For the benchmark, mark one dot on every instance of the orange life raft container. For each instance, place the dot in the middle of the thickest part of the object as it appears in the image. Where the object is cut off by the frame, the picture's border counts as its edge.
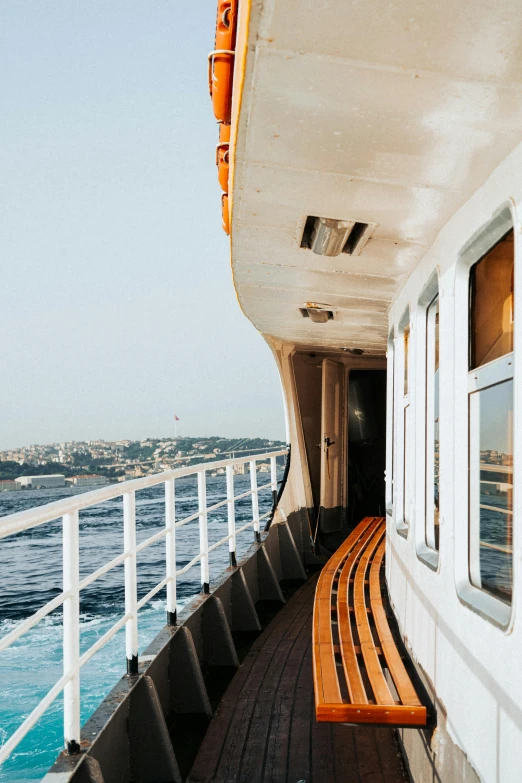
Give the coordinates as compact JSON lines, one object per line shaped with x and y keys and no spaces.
{"x":225,"y":216}
{"x":221,"y":61}
{"x":222,"y":156}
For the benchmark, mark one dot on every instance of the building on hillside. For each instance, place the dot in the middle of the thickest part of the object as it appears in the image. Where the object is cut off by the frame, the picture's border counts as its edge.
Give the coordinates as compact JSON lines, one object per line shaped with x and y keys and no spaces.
{"x":9,"y":485}
{"x":88,"y":480}
{"x":42,"y":482}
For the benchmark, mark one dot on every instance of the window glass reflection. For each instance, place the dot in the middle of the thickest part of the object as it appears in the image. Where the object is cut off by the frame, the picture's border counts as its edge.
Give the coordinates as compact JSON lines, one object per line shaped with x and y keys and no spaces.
{"x":491,"y":554}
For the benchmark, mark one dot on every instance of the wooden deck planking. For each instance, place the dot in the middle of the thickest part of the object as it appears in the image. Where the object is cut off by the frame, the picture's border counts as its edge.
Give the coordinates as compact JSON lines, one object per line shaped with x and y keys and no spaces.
{"x":243,"y":728}
{"x":243,"y":690}
{"x":265,"y":729}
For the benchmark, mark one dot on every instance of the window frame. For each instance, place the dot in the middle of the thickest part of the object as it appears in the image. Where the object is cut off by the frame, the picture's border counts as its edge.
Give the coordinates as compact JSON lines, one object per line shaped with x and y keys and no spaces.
{"x":485,"y":238}
{"x":427,"y":554}
{"x":403,"y":408}
{"x":390,"y":394}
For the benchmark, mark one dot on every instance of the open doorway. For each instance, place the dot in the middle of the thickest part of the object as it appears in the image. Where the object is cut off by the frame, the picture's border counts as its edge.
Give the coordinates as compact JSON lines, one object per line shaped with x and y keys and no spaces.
{"x":343,"y":419}
{"x":366,"y":444}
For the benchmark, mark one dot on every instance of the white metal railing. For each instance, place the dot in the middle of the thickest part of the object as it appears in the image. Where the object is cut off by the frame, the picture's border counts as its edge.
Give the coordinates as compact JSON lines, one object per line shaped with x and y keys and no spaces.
{"x":69,"y":510}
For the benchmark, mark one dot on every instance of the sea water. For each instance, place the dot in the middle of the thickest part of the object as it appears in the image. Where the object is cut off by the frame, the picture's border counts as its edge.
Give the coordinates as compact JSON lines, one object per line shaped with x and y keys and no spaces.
{"x":31,"y":575}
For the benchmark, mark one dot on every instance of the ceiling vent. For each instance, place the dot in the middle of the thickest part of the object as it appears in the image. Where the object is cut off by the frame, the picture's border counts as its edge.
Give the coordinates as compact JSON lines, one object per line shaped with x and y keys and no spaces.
{"x":319,"y":314}
{"x":329,"y":237}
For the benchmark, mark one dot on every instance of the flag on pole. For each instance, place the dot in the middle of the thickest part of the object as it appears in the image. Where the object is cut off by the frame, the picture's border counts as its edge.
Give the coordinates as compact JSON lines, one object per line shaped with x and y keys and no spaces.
{"x":175,"y":418}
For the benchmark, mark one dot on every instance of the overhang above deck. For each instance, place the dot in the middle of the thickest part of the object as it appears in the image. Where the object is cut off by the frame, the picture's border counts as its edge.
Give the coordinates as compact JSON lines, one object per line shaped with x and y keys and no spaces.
{"x":381,"y":113}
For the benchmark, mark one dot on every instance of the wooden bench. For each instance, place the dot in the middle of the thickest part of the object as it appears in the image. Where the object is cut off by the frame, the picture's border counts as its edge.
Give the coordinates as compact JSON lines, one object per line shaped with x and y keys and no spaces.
{"x":359,"y":674}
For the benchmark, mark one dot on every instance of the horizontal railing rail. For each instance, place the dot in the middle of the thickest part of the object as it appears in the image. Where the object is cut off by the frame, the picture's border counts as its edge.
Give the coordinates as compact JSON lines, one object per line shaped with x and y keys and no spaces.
{"x":69,"y":510}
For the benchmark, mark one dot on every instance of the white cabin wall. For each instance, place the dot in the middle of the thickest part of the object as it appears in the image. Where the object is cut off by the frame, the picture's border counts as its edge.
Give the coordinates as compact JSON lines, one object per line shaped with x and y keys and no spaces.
{"x":298,"y":492}
{"x":472,"y":664}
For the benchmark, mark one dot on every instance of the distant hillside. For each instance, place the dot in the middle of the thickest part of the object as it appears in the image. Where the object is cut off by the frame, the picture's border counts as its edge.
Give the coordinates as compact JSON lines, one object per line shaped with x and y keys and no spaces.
{"x":115,"y":458}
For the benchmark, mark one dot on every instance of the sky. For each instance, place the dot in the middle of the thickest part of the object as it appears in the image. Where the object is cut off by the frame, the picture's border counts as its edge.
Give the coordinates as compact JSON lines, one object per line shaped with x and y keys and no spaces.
{"x":117,"y":307}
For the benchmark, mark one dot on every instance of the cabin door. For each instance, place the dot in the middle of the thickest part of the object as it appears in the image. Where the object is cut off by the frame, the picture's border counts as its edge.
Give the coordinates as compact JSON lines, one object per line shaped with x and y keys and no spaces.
{"x":332,"y":439}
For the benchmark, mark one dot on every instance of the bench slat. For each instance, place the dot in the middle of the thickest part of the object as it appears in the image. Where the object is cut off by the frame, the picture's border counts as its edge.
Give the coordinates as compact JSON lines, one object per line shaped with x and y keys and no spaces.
{"x":326,"y":682}
{"x":395,"y":715}
{"x":351,"y":668}
{"x":405,"y":689}
{"x":341,"y":590}
{"x":374,"y":670}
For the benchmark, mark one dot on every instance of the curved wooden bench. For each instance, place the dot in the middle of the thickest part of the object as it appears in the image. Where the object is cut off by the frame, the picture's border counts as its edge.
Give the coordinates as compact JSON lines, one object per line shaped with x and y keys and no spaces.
{"x":353,"y":647}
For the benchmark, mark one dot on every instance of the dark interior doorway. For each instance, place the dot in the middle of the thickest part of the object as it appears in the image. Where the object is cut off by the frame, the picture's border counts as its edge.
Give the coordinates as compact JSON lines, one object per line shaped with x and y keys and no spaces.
{"x":366,"y":444}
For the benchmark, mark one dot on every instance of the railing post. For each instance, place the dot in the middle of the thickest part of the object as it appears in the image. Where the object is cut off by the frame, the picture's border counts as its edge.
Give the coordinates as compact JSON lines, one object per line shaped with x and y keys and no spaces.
{"x":131,"y":584}
{"x":203,"y":530}
{"x":170,"y":524}
{"x":231,"y":515}
{"x":71,"y":631}
{"x":273,"y":479}
{"x":255,"y":500}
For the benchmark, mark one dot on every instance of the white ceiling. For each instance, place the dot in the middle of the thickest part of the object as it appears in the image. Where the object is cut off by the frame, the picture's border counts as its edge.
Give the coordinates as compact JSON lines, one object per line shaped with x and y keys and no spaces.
{"x":380,"y":112}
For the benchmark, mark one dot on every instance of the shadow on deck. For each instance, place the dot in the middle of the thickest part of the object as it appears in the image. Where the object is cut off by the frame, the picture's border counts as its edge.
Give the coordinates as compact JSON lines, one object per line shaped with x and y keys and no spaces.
{"x":265,"y":731}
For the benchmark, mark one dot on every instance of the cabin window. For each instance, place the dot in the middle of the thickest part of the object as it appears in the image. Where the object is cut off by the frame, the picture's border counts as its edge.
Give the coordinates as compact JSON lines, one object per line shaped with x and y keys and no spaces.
{"x":432,"y":424}
{"x":490,"y":420}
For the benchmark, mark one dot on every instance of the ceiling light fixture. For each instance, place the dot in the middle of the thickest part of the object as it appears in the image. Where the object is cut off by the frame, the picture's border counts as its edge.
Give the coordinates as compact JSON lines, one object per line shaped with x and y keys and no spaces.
{"x":330,"y":236}
{"x":319,"y":314}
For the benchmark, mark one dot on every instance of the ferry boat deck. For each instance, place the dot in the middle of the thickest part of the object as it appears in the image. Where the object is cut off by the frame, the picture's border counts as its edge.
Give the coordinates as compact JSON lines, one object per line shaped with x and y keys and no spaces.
{"x":265,"y":727}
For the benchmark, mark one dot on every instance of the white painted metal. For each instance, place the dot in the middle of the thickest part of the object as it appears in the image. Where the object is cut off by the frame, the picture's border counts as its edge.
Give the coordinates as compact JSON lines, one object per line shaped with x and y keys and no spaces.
{"x":131,"y":579}
{"x":255,"y":498}
{"x":429,"y":381}
{"x":424,"y":140}
{"x":431,"y":103}
{"x":231,"y":511}
{"x":390,"y":420}
{"x":332,"y":441}
{"x":402,"y":443}
{"x":69,"y":509}
{"x":273,"y":474}
{"x":203,"y":527}
{"x":71,"y":629}
{"x":23,"y":520}
{"x":467,"y":642}
{"x":170,"y":543}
